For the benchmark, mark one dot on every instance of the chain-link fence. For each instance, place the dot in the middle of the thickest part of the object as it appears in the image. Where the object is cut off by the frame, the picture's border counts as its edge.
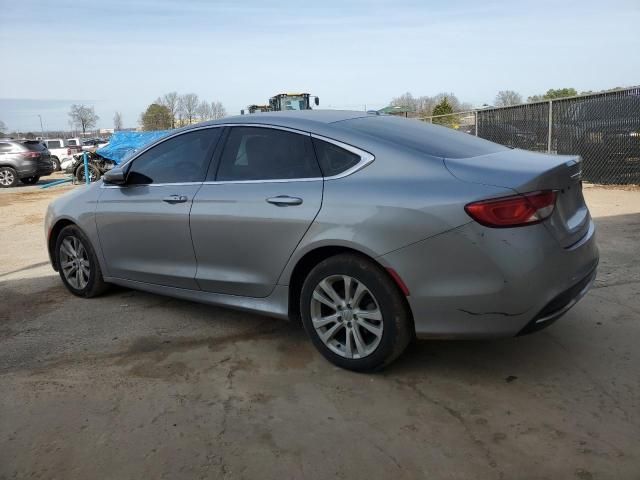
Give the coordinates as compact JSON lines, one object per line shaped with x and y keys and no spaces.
{"x":603,"y":128}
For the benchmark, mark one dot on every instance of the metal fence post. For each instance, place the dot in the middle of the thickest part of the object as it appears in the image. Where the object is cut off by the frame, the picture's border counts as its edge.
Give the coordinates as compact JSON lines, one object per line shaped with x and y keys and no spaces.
{"x":85,"y":160}
{"x":475,"y":114}
{"x":550,"y":126}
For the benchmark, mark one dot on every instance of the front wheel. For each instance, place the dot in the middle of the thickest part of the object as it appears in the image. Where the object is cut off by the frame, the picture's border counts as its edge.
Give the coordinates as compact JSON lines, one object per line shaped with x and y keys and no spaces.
{"x":77,"y":263}
{"x":354,"y":313}
{"x":30,"y":180}
{"x":94,"y":173}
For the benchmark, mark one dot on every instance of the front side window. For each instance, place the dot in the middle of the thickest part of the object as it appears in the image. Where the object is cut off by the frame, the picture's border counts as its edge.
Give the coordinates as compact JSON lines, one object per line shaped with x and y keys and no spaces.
{"x":183,"y":158}
{"x":54,"y":144}
{"x":254,"y":153}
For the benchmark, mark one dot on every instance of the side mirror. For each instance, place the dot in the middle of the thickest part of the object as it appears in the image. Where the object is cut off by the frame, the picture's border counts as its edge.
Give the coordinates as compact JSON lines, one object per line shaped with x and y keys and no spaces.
{"x":115,"y":176}
{"x":317,"y":101}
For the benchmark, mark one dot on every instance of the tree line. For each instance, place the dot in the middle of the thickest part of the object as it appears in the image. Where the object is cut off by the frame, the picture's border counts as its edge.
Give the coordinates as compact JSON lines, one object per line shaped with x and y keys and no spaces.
{"x":446,"y":103}
{"x":173,"y":110}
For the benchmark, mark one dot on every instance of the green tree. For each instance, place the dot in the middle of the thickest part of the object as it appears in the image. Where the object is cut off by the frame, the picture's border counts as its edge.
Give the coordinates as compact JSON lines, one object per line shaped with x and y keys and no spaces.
{"x":156,"y":117}
{"x":444,"y":108}
{"x":552,"y":94}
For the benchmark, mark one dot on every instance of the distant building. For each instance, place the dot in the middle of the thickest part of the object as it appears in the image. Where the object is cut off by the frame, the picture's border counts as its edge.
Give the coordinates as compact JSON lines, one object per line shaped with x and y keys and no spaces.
{"x":106,"y":131}
{"x":397,"y":110}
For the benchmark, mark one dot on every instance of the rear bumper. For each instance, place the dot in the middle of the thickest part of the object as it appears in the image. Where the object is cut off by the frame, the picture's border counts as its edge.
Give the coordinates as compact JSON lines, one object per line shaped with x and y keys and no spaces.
{"x":36,"y":170}
{"x":477,"y":282}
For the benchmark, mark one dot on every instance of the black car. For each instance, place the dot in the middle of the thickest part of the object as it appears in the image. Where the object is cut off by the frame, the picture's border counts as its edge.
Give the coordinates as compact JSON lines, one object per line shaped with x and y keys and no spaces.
{"x":25,"y":161}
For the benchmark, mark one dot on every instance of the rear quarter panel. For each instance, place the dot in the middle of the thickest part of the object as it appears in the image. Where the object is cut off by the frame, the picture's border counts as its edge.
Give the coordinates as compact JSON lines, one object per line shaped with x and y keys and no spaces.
{"x":399,"y":199}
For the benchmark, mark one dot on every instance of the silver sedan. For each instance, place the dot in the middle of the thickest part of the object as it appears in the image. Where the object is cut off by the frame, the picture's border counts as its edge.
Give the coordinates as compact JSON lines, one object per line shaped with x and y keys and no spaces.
{"x":370,"y":229}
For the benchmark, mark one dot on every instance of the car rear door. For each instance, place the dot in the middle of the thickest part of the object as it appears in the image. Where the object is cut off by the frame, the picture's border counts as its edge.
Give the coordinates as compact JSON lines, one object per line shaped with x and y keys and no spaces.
{"x":250,"y":214}
{"x":144,"y":225}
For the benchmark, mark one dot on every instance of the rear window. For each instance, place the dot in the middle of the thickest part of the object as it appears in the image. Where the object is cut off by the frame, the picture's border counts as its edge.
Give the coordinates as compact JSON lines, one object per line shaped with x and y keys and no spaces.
{"x":34,"y":145}
{"x":425,"y":138}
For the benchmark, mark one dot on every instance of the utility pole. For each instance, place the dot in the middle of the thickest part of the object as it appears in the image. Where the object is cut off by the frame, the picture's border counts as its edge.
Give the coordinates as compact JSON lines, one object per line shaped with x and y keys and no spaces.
{"x":41,"y":128}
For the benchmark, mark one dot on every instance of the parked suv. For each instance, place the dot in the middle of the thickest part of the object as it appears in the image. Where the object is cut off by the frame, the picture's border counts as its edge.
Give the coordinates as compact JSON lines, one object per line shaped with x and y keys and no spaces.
{"x":25,"y":161}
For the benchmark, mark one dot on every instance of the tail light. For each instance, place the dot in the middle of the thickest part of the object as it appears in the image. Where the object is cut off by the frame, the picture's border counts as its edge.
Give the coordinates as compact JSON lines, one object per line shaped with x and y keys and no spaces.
{"x":68,"y":151}
{"x":31,"y":155}
{"x":513,"y":211}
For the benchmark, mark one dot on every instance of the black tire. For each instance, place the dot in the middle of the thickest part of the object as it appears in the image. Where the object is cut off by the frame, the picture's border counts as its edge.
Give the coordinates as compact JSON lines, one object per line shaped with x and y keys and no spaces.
{"x":30,"y":180}
{"x":95,"y":284}
{"x":56,"y":164}
{"x":397,"y":324}
{"x":94,"y":173}
{"x":8,"y":177}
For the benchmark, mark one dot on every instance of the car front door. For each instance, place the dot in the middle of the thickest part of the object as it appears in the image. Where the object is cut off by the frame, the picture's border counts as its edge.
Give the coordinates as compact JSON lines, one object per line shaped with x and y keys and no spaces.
{"x":143,"y":225}
{"x":248,"y":218}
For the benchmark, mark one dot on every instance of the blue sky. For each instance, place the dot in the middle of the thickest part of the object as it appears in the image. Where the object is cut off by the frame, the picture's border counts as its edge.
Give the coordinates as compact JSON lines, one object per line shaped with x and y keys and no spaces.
{"x":120,"y":55}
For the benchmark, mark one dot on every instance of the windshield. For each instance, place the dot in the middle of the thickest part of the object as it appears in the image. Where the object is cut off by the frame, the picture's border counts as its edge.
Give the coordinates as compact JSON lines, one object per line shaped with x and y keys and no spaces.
{"x":293,"y":102}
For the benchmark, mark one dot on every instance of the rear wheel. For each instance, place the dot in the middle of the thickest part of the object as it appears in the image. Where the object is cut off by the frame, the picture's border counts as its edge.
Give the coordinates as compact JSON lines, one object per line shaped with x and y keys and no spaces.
{"x":354,"y":313}
{"x":8,"y":177}
{"x":30,"y":180}
{"x":56,"y":164}
{"x":77,"y":263}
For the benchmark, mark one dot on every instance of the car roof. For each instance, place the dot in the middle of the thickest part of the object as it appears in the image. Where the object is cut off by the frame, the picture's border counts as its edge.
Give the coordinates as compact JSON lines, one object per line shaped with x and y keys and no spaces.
{"x":291,"y":118}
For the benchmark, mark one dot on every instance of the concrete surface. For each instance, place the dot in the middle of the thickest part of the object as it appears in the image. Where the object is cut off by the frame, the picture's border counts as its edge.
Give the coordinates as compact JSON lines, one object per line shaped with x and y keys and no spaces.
{"x":132,"y":385}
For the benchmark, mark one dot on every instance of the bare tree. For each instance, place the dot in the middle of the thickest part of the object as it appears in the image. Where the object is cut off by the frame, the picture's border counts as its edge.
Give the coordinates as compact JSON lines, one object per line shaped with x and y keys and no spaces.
{"x":505,"y":98}
{"x":83,"y":117}
{"x":3,"y":128}
{"x":170,"y":100}
{"x":204,"y":111}
{"x":405,"y":100}
{"x":217,"y":110}
{"x":117,"y":121}
{"x":189,"y":105}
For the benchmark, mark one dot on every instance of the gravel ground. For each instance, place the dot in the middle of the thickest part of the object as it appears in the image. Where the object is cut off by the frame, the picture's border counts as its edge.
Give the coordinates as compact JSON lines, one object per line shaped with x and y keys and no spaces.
{"x":133,"y":385}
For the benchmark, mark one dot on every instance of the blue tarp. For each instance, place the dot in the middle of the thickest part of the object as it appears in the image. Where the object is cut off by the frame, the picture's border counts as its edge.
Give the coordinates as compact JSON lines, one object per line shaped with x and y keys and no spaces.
{"x":124,"y":144}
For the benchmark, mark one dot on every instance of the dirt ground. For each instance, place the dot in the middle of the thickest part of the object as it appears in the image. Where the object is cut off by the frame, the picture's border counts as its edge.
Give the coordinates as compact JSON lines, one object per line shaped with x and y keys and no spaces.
{"x":133,"y":385}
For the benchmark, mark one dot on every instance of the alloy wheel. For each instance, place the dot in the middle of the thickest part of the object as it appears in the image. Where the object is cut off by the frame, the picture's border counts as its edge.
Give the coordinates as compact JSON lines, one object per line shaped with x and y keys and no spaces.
{"x":6,"y":177}
{"x":74,"y":262}
{"x":346,"y":316}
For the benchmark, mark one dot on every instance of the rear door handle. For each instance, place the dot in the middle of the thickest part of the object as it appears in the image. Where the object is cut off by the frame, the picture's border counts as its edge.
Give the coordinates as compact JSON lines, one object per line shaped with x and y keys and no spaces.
{"x":175,"y":199}
{"x":284,"y":200}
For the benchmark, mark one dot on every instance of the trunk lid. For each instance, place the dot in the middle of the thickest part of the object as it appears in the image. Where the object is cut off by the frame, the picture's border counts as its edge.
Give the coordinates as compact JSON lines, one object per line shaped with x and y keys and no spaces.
{"x":523,"y":172}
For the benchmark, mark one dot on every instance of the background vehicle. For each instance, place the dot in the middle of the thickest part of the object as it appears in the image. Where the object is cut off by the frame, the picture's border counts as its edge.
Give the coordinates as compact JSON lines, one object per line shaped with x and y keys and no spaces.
{"x":370,"y":228}
{"x":92,"y":144}
{"x":97,"y":166}
{"x":291,"y":101}
{"x":59,"y":151}
{"x":24,"y":161}
{"x":258,"y":108}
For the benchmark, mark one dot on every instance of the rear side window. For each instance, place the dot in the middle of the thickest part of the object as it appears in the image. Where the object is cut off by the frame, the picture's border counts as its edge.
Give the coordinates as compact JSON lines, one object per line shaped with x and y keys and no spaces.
{"x":333,"y":159}
{"x":184,"y":158}
{"x":72,"y":143}
{"x":425,"y":138}
{"x":34,"y":146}
{"x":254,"y":153}
{"x":5,"y":147}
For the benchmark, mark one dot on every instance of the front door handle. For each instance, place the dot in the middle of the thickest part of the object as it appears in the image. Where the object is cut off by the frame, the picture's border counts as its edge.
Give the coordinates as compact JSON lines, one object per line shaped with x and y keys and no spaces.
{"x":284,"y":200}
{"x":175,"y":199}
